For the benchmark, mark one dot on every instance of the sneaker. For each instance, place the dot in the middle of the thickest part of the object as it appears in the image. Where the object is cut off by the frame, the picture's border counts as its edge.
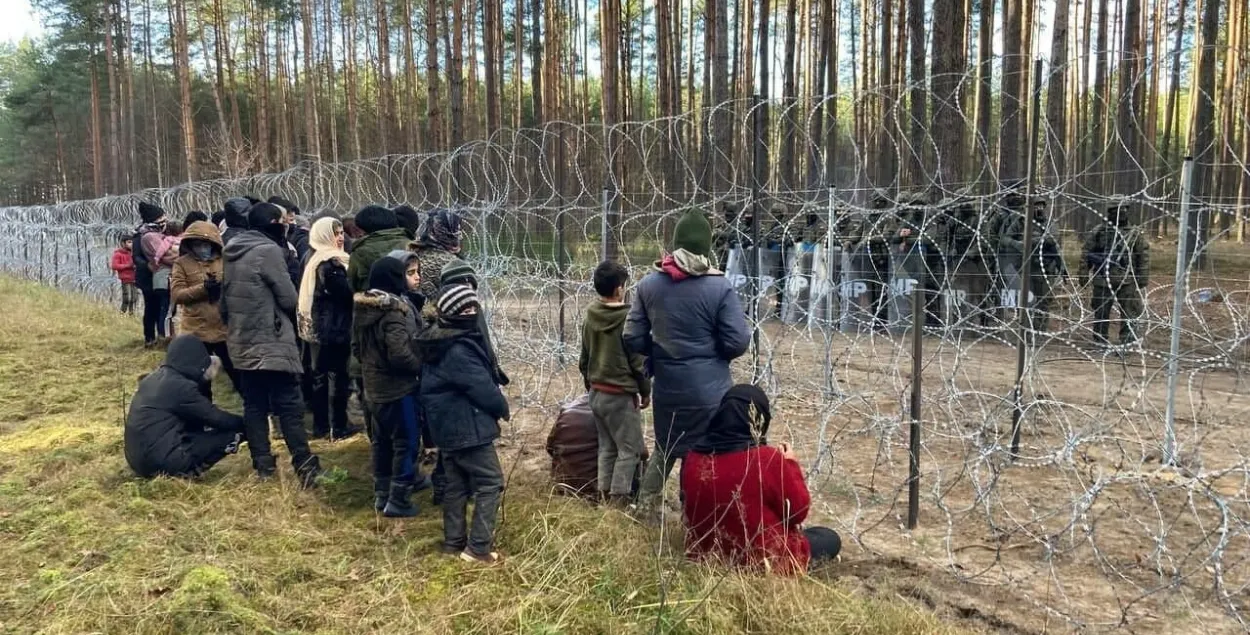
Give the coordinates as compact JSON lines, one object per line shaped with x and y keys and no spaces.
{"x":490,"y":559}
{"x":308,"y":472}
{"x":233,"y":446}
{"x":449,"y":550}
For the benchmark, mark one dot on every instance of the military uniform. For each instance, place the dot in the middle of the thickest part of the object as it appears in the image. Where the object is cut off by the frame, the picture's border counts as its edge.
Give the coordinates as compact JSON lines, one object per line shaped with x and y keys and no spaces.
{"x":1047,"y":262}
{"x":917,"y":236}
{"x":1117,"y":260}
{"x":866,"y":235}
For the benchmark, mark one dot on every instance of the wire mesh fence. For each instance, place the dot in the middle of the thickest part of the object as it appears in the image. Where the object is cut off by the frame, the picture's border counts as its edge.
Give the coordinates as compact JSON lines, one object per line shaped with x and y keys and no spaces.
{"x":1085,"y":523}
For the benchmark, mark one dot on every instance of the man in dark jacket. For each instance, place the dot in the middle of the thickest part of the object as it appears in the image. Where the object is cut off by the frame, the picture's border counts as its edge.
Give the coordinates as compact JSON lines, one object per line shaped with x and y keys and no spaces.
{"x":296,"y":234}
{"x":153,"y":219}
{"x":382,"y":235}
{"x":236,"y":217}
{"x":686,"y":317}
{"x":172,"y":428}
{"x":258,"y":304}
{"x":463,"y":406}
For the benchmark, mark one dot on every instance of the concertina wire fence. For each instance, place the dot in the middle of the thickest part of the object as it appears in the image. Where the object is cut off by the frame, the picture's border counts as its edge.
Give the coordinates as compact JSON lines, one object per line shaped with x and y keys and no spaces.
{"x":1083,"y":527}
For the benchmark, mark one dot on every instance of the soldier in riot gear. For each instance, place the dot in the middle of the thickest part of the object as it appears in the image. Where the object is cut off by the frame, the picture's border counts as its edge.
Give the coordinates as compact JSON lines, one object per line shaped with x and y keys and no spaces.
{"x":917,"y":239}
{"x":1046,"y":268}
{"x":1116,"y":258}
{"x":727,"y":234}
{"x":868,"y":236}
{"x":779,"y":241}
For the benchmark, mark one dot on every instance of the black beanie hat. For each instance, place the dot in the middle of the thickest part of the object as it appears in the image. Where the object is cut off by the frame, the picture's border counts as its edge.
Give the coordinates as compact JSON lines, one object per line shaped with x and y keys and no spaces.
{"x":388,"y":274}
{"x":408,"y":219}
{"x":284,"y":204}
{"x":236,"y":212}
{"x":150,"y":213}
{"x":376,"y":218}
{"x":217,"y":217}
{"x":194,"y":217}
{"x":263,"y":214}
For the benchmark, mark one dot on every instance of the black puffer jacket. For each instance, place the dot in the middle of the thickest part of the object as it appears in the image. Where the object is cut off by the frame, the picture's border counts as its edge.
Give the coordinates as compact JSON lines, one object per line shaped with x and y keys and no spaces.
{"x":258,"y":303}
{"x":332,"y":304}
{"x":167,"y":407}
{"x":460,"y":394}
{"x":385,"y":326}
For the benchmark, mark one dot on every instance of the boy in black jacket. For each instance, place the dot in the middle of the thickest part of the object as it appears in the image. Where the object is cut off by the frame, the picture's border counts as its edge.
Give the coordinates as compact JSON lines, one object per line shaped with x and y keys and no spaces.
{"x":463,"y":405}
{"x":386,"y":322}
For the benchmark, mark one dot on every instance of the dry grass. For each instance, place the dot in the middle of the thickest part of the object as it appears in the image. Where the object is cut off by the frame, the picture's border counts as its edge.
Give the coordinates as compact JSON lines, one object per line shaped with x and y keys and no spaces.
{"x":86,"y":547}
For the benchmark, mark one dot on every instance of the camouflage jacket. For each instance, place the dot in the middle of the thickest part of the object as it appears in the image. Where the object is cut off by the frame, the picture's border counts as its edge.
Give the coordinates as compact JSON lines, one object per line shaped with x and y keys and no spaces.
{"x":1112,"y":256}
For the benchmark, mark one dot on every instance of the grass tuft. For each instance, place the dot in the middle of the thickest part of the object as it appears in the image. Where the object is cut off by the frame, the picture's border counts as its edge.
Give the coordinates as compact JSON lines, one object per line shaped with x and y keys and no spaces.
{"x":87,"y":547}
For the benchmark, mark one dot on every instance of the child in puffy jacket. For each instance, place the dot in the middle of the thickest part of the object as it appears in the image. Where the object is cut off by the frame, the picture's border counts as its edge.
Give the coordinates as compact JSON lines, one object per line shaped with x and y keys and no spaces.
{"x":463,"y":405}
{"x":123,"y":264}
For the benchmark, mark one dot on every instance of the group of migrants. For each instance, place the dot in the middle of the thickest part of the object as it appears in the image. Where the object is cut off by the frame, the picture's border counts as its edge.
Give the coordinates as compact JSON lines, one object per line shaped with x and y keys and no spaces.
{"x":933,"y":243}
{"x":271,"y":303}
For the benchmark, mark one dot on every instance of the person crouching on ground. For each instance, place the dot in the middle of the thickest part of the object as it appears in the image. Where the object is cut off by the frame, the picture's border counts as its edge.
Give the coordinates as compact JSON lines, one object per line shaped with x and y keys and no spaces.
{"x":258,"y":305}
{"x":386,"y":321}
{"x":618,"y":385}
{"x":743,"y":500}
{"x":325,"y":323}
{"x":172,"y":428}
{"x":463,"y":406}
{"x":195,"y":285}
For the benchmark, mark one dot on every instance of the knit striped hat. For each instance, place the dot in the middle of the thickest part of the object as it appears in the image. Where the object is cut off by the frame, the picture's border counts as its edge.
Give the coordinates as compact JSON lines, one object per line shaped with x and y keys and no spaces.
{"x":456,"y":299}
{"x":457,"y":271}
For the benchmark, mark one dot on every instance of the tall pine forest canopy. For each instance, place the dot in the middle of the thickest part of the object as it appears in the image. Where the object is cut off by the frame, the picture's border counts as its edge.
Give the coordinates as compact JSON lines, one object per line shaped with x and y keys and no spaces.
{"x":797,"y":95}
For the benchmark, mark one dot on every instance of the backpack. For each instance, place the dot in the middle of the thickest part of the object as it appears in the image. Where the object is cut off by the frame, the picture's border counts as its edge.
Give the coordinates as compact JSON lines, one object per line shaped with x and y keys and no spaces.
{"x":143,"y":273}
{"x":573,"y":445}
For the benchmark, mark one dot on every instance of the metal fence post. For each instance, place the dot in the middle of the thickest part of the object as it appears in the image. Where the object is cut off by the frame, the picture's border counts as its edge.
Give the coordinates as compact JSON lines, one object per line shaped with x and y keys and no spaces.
{"x":913,"y":440}
{"x":1178,"y":304}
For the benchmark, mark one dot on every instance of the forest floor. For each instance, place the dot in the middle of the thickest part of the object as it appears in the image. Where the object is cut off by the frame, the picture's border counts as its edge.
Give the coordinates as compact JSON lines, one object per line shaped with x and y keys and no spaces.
{"x":87,"y":547}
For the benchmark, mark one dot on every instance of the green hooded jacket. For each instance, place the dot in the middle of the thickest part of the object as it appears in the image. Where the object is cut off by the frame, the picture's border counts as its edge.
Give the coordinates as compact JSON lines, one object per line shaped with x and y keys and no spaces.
{"x":603,"y":359}
{"x":368,"y":250}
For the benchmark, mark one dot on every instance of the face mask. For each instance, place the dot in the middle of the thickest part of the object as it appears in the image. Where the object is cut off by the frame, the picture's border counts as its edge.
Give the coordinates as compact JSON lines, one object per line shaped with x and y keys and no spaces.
{"x":275,"y":231}
{"x":202,"y":251}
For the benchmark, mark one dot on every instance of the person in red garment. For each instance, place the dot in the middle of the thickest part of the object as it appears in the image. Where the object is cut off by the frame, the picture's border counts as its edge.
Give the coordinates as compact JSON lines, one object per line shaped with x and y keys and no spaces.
{"x":744,"y":501}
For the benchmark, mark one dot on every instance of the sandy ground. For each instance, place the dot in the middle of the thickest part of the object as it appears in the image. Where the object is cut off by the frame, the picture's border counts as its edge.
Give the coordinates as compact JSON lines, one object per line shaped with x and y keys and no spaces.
{"x":1085,"y":530}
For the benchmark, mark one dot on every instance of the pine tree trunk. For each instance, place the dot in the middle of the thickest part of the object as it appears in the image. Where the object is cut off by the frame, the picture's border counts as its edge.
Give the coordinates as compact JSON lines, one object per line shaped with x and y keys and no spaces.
{"x":433,"y":103}
{"x":537,"y":15}
{"x":97,"y":142}
{"x":1056,"y":97}
{"x":331,"y":117}
{"x":110,"y":62}
{"x":1204,"y":133}
{"x":985,"y":82}
{"x":916,"y":143}
{"x":182,"y":64}
{"x":312,"y":137}
{"x":789,"y":95}
{"x":886,"y":159}
{"x":350,"y":78}
{"x":950,"y":61}
{"x":406,"y":108}
{"x":1013,"y":106}
{"x":1129,"y":105}
{"x":1098,"y":111}
{"x":492,"y":35}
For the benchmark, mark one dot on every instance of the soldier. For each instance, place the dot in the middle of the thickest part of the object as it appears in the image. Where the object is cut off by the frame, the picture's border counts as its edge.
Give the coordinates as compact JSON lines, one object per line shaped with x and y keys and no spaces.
{"x":725,"y":237}
{"x":779,"y":244}
{"x":915,"y":240}
{"x":1117,"y":259}
{"x":1047,"y":262}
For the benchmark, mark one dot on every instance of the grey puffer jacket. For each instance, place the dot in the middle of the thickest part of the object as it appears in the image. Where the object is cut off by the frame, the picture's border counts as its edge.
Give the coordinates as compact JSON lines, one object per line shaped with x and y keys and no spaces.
{"x":690,"y":324}
{"x":258,"y":302}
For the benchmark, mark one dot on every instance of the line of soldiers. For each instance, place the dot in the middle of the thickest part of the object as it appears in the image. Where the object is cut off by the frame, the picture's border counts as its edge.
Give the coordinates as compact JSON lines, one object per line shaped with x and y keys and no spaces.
{"x":915,"y":236}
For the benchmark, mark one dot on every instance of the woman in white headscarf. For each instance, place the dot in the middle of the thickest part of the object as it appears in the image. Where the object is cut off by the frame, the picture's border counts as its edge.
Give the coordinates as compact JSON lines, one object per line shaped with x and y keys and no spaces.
{"x":325,"y":322}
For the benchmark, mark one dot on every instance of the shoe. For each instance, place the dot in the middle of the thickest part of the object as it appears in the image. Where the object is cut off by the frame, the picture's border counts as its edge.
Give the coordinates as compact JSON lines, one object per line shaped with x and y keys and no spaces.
{"x":381,"y":492}
{"x":450,"y":550}
{"x":233,"y":446}
{"x":620,"y":502}
{"x":308,"y":471}
{"x":399,"y":505}
{"x":265,"y":467}
{"x":423,"y":483}
{"x":345,"y":433}
{"x":490,"y":559}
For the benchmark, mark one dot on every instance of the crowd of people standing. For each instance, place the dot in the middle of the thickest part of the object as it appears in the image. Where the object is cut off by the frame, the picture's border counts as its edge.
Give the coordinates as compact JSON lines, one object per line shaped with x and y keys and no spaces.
{"x":380,"y":304}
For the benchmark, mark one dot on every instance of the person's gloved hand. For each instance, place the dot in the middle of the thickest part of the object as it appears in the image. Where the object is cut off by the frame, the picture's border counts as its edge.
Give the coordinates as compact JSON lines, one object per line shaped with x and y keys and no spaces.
{"x":212,"y":287}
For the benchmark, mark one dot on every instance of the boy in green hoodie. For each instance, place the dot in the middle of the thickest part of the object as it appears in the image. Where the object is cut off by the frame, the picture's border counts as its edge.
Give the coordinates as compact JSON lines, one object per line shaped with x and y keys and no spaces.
{"x":618,"y":384}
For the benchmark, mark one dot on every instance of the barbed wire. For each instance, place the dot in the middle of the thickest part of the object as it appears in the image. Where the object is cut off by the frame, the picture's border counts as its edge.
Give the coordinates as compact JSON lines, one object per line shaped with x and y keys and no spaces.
{"x":1085,"y":523}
